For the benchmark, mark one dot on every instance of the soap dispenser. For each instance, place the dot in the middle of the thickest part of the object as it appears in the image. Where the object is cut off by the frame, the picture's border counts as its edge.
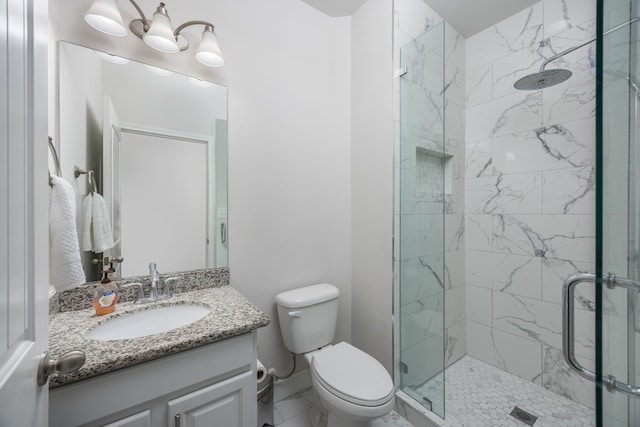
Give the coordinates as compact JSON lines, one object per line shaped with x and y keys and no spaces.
{"x":106,"y":295}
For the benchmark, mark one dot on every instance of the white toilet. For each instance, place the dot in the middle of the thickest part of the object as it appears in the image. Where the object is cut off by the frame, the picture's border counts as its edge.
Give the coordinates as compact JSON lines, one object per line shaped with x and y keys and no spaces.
{"x":352,"y":387}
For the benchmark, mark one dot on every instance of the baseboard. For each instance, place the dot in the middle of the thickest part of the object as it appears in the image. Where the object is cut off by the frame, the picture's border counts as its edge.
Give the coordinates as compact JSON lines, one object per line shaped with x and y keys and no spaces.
{"x":295,"y":383}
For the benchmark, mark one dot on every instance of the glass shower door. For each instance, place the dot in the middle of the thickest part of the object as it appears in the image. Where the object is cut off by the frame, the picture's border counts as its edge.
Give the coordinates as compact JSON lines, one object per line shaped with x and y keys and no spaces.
{"x":618,"y":244}
{"x":421,"y":218}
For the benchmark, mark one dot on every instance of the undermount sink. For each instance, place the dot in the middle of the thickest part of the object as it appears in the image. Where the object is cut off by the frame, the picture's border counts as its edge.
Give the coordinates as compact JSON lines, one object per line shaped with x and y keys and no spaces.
{"x":147,"y":322}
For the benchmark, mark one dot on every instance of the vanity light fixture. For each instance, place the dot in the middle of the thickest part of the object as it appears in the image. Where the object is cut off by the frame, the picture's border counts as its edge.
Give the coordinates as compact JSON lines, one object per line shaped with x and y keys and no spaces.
{"x":104,"y":15}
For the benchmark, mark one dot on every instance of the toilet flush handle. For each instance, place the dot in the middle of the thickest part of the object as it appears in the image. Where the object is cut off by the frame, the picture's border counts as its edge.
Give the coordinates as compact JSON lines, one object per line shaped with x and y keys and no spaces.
{"x":295,"y":313}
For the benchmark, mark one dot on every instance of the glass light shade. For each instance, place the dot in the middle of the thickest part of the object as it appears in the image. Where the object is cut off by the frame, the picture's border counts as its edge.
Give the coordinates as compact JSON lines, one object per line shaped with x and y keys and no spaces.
{"x":104,"y":15}
{"x":160,"y":35}
{"x":209,"y":52}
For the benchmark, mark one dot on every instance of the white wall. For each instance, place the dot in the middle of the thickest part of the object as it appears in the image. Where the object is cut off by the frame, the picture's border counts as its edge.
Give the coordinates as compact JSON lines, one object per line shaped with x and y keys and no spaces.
{"x":287,"y":68}
{"x":372,"y":179}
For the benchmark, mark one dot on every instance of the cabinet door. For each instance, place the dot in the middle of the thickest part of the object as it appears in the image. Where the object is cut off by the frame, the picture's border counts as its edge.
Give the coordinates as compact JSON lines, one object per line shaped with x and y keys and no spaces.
{"x":141,"y":419}
{"x":228,"y":403}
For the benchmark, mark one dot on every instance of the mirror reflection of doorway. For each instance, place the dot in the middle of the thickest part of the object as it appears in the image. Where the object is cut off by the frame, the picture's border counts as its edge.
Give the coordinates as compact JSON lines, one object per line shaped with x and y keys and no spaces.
{"x":164,"y":173}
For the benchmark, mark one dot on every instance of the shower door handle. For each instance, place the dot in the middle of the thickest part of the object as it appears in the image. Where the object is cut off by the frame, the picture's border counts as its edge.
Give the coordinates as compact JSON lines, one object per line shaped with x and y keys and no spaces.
{"x":568,"y":323}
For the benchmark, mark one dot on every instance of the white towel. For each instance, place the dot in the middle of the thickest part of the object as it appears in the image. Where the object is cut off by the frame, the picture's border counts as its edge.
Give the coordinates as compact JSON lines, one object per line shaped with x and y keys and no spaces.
{"x":65,"y":268}
{"x":97,"y":235}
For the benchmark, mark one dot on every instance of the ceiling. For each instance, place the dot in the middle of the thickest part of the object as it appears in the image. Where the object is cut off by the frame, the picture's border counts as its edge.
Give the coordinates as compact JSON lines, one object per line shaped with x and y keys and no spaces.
{"x":472,"y":16}
{"x":467,"y":16}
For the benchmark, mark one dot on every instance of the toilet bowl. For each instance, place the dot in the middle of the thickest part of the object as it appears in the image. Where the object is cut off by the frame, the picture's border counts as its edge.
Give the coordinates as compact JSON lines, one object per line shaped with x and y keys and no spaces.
{"x":351,"y":388}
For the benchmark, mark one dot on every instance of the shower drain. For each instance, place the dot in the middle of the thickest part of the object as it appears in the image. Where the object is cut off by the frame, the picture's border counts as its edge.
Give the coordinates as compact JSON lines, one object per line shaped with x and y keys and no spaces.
{"x":523,"y":416}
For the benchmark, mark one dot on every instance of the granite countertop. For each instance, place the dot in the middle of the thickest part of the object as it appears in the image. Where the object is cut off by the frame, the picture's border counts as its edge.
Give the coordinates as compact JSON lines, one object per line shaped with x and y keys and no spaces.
{"x":231,"y":315}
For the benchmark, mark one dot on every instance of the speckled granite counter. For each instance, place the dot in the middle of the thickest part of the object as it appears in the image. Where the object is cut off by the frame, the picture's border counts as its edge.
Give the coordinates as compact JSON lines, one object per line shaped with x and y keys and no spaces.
{"x":231,"y":315}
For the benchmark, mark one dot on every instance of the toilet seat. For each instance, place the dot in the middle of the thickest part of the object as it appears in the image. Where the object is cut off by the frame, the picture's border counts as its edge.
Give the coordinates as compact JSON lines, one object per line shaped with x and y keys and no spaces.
{"x":352,"y":375}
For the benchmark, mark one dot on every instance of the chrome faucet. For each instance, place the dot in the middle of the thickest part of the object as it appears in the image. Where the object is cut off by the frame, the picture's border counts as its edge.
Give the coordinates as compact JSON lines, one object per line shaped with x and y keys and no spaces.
{"x":155,"y":278}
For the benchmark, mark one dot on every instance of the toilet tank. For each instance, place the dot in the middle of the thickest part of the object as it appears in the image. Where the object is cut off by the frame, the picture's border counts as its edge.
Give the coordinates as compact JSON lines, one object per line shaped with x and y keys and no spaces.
{"x":308,"y":316}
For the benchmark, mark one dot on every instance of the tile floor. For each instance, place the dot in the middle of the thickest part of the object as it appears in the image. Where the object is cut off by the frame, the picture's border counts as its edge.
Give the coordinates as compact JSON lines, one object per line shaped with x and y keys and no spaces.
{"x":480,"y":395}
{"x":294,"y":412}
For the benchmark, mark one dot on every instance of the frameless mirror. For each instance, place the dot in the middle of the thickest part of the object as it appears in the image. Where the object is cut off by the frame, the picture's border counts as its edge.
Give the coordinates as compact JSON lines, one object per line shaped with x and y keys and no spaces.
{"x":156,"y":144}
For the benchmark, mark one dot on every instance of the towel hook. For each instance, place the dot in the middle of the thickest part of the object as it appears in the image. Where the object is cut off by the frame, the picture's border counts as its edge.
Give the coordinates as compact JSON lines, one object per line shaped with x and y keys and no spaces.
{"x":56,"y":161}
{"x":90,"y":177}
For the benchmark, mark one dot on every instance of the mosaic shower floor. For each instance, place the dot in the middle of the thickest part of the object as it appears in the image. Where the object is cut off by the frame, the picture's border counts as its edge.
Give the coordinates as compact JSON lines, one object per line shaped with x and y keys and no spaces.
{"x":479,"y":395}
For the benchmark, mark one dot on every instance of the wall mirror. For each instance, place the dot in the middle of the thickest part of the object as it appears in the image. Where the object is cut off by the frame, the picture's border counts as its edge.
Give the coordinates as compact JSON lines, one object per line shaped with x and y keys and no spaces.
{"x":156,"y":144}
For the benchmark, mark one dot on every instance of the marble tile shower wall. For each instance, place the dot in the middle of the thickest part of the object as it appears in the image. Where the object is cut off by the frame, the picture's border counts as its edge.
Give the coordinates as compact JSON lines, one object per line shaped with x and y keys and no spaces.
{"x":418,"y":257}
{"x":530,"y":199}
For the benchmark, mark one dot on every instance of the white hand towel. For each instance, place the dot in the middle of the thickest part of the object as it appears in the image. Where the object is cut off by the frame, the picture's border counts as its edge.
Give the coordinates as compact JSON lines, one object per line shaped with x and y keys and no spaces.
{"x":65,"y":271}
{"x":97,"y":236}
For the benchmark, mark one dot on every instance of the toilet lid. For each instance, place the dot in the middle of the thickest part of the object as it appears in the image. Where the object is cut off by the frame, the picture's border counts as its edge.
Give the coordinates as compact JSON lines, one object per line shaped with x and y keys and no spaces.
{"x":353,"y":375}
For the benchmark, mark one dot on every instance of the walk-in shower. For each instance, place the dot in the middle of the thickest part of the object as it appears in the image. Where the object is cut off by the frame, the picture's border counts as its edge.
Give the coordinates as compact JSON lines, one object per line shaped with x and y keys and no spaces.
{"x":505,"y":192}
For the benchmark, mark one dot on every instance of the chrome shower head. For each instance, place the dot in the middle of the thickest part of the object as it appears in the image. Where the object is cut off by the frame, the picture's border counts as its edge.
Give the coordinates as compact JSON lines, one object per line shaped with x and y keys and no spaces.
{"x":542,"y":79}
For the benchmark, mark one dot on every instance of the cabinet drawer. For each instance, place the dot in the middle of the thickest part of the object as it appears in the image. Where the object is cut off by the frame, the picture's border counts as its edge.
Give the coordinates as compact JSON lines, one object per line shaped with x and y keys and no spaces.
{"x":141,"y":419}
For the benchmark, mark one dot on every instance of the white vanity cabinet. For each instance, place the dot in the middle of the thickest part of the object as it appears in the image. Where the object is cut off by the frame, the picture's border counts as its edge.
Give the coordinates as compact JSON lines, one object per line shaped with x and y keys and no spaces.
{"x":212,"y":385}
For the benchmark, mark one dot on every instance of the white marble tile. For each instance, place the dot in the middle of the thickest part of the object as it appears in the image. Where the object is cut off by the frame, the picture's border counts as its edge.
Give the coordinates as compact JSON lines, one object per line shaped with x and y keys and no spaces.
{"x":423,"y":109}
{"x":454,"y":46}
{"x":556,"y":271}
{"x":571,"y":100}
{"x":293,"y":405}
{"x":570,"y":237}
{"x":558,"y":377}
{"x":502,"y":116}
{"x":516,"y":355}
{"x":420,"y":320}
{"x":569,"y":191}
{"x":479,"y":85}
{"x":515,"y":274}
{"x":455,"y":343}
{"x":453,"y":232}
{"x":455,"y":120}
{"x":420,"y":278}
{"x":393,"y":419}
{"x":479,"y":159}
{"x":509,"y":69}
{"x":454,"y":85}
{"x":529,"y":318}
{"x":414,"y":16}
{"x":516,"y":193}
{"x":421,"y":368}
{"x":560,"y":146}
{"x":454,"y":306}
{"x":300,"y":420}
{"x":478,"y":232}
{"x":520,"y":31}
{"x":584,"y":333}
{"x":420,"y":235}
{"x":424,"y":61}
{"x":478,"y":303}
{"x":481,"y":395}
{"x":454,"y":263}
{"x":560,"y":15}
{"x":582,"y":59}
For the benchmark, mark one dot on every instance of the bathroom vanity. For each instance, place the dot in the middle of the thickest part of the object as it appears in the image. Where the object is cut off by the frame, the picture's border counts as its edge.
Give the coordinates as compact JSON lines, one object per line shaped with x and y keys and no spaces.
{"x":187,"y":376}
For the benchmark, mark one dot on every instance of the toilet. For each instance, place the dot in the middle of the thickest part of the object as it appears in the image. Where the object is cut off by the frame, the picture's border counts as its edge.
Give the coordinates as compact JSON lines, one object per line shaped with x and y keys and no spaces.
{"x":351,"y":388}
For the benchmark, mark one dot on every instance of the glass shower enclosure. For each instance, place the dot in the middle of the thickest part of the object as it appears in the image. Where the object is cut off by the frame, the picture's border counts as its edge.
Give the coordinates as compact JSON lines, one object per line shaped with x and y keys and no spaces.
{"x":618,"y":216}
{"x":422,"y":166}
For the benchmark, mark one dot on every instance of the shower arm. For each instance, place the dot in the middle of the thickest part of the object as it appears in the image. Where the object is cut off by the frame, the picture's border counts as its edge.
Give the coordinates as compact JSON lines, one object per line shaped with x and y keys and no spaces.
{"x":571,"y":49}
